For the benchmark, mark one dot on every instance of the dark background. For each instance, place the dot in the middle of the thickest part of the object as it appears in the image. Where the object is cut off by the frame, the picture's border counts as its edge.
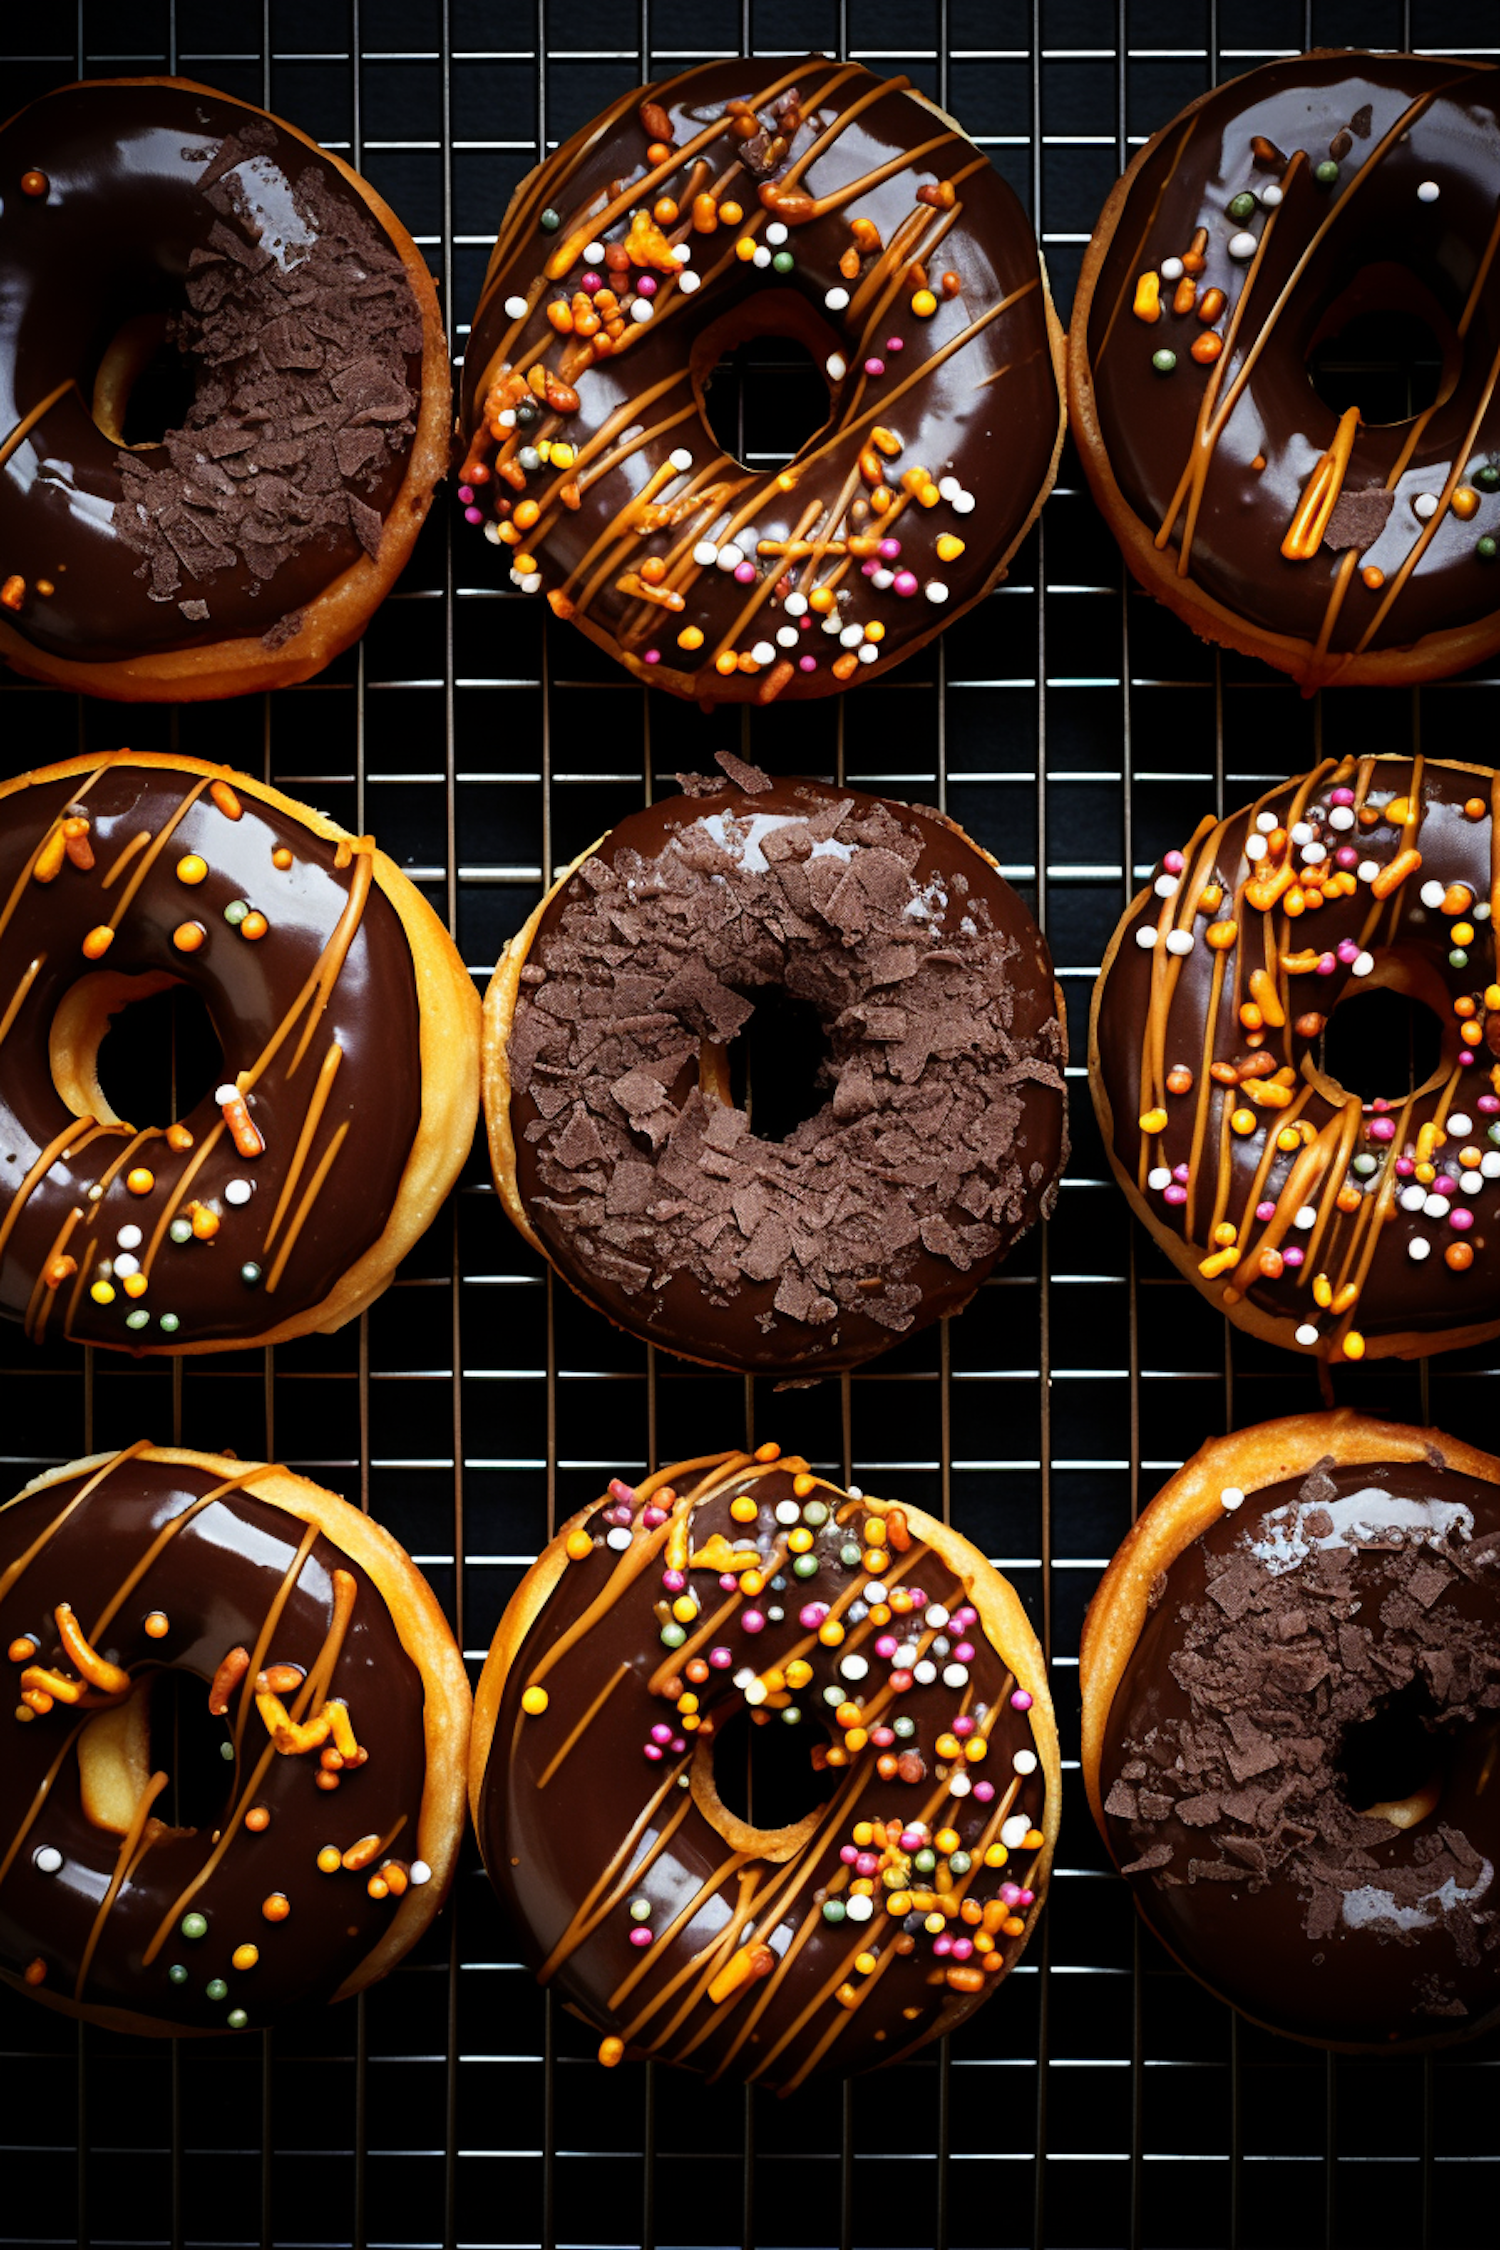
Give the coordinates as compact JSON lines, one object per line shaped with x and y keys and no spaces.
{"x":1077,"y":731}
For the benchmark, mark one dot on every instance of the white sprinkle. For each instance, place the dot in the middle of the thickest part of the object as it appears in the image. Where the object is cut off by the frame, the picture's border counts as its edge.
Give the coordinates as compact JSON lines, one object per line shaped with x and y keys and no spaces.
{"x":870,"y":653}
{"x":835,"y":367}
{"x":125,"y":1264}
{"x":1160,"y":1177}
{"x":681,"y":459}
{"x":1437,"y":1207}
{"x":836,"y":299}
{"x":1024,"y":1761}
{"x":531,"y":583}
{"x":1231,"y":1498}
{"x":1341,"y":817}
{"x":795,"y":605}
{"x":1301,"y":832}
{"x":859,"y":1908}
{"x":905,"y":1656}
{"x":756,"y":1692}
{"x":1265,"y":822}
{"x":949,"y":488}
{"x":787,"y":1511}
{"x":640,"y":308}
{"x":515,"y":308}
{"x":1306,"y":1217}
{"x":1171,"y":269}
{"x":1313,"y":853}
{"x":1489,"y":1164}
{"x":1367,"y":870}
{"x":832,"y":624}
{"x":746,"y":1674}
{"x":129,"y":1238}
{"x":592,"y":253}
{"x":924,"y":1673}
{"x":936,"y":591}
{"x":1418,"y":1248}
{"x":48,"y":1860}
{"x":963,"y":503}
{"x":690,"y":283}
{"x":1307,"y":1334}
{"x":935,"y":1616}
{"x":955,"y":1675}
{"x":787,"y":636}
{"x":1242,"y":246}
{"x":226,"y":1094}
{"x":1480,"y":910}
{"x":617,"y":1537}
{"x":705,"y":554}
{"x":1255,"y":847}
{"x":763,"y":653}
{"x":1471,"y":1183}
{"x":1270,"y":196}
{"x":959,"y":1784}
{"x":882,"y":580}
{"x":1145,"y":936}
{"x":1362,"y":964}
{"x":853,"y":1667}
{"x":506,"y":417}
{"x":683,"y":253}
{"x":762,"y":257}
{"x":1412,"y":1198}
{"x":1458,"y":1126}
{"x":776,"y":233}
{"x":419,"y":1872}
{"x":1432,"y":894}
{"x":1179,"y":941}
{"x":1425,"y":505}
{"x":1015,"y":1832}
{"x":1165,"y":886}
{"x":238,"y":1191}
{"x":492,"y":533}
{"x":852,"y":635}
{"x":1428,"y":192}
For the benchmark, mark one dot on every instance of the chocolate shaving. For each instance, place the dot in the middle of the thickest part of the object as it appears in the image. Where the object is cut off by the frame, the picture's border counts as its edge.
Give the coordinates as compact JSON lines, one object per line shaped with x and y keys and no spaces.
{"x":1358,"y":518}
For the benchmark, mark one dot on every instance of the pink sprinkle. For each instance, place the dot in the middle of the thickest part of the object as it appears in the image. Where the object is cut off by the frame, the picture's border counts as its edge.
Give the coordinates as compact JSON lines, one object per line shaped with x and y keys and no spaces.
{"x":727,"y":1582}
{"x":640,"y":1937}
{"x":812,"y":1614}
{"x":874,"y":366}
{"x":889,"y":549}
{"x":1379,"y":1103}
{"x":1382,"y":1129}
{"x":592,"y":282}
{"x":1341,"y":796}
{"x":721,"y":1658}
{"x":660,"y":1733}
{"x":1348,"y":951}
{"x":465,"y":494}
{"x":652,"y":656}
{"x":1489,"y":1103}
{"x":678,"y":1744}
{"x":1027,"y":1898}
{"x":912,"y":1839}
{"x":753,"y":1622}
{"x":1346,"y":856}
{"x":1010,"y":1894}
{"x":893,"y":343}
{"x":1181,"y":1172}
{"x":1265,"y":1212}
{"x":646,"y":285}
{"x":1173,"y":863}
{"x":882,"y":1737}
{"x":620,"y":1490}
{"x":745,"y":573}
{"x":1405,"y":1166}
{"x":868,"y":569}
{"x":473,"y":515}
{"x":887,"y":1646}
{"x":1174,"y":1194}
{"x":653,"y":1517}
{"x":963,"y":1654}
{"x":866,"y":1863}
{"x":984,"y":1791}
{"x":962,"y":1948}
{"x":965,"y":1725}
{"x":1292,"y":1257}
{"x":848,"y":1853}
{"x":1466,"y":1055}
{"x":906,"y":584}
{"x":1462,"y":1219}
{"x":807,"y":663}
{"x":942,"y":1945}
{"x":1326,"y":964}
{"x":653,"y":1753}
{"x":965,"y":1616}
{"x":674,"y":1581}
{"x":1442,"y":1185}
{"x":1020,"y":1701}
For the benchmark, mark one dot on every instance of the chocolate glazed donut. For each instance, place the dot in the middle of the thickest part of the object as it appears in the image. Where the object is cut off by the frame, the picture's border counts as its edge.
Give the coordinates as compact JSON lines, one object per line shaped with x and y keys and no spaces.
{"x":819,"y":203}
{"x":301,"y":1824}
{"x":1276,"y":211}
{"x":616,"y":1143}
{"x":286,"y":1197}
{"x":1314,"y":1218}
{"x":738,"y":1587}
{"x":1291,"y":1717}
{"x":152,"y":228}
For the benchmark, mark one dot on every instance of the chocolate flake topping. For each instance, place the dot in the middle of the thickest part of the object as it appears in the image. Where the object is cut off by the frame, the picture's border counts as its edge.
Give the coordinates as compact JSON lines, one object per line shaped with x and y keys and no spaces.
{"x":1358,"y":518}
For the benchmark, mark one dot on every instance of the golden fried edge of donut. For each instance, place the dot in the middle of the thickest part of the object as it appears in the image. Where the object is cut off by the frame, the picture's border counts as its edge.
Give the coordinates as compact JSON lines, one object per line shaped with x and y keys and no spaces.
{"x":1434,"y":657}
{"x":499,"y":1014}
{"x":692,"y":686}
{"x":1188,"y":1504}
{"x":424,"y":1634}
{"x":1006,"y":1627}
{"x":211,"y":670}
{"x":449,"y":1013}
{"x":1272,"y":1328}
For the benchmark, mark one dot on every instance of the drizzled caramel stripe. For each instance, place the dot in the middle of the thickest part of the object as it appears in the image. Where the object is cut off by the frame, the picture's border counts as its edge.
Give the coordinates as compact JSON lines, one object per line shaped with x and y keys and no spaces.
{"x":76,"y":1130}
{"x":590,"y":1914}
{"x":1439,"y":515}
{"x":17,"y":1570}
{"x":153,"y":852}
{"x":163,"y":1538}
{"x":583,"y":1724}
{"x":29,"y":421}
{"x":17,"y":889}
{"x":125,"y":1862}
{"x":27,"y":979}
{"x":29,"y":1817}
{"x":315,"y":1107}
{"x":304,"y":1208}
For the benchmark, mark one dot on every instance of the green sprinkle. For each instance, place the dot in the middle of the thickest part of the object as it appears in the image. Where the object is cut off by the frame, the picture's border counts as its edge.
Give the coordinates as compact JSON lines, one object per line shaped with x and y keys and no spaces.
{"x":1494,"y":1135}
{"x":237,"y":2019}
{"x":1243,"y":207}
{"x":783,"y":261}
{"x":805,"y":1566}
{"x":1458,"y":959}
{"x":170,"y":1323}
{"x":181,"y":1230}
{"x":1488,"y":476}
{"x":1485,"y":548}
{"x":815,"y":1512}
{"x":235,"y":912}
{"x":1365,"y":1165}
{"x":833,"y":1910}
{"x":177,"y":1974}
{"x":960,"y":1862}
{"x":833,"y":1697}
{"x":140,"y":1318}
{"x":672,"y":1636}
{"x":925,"y":1861}
{"x":904,"y":1728}
{"x":217,"y":1989}
{"x":194,"y":1926}
{"x":1326,"y":174}
{"x":791,"y":1716}
{"x":640,"y":1910}
{"x":250,"y":1273}
{"x":226,"y":1752}
{"x":849,"y":1555}
{"x":1164,"y":362}
{"x":550,"y":221}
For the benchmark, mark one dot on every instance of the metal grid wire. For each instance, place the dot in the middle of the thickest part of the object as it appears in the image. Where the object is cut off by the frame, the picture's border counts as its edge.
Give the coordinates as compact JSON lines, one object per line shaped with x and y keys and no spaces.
{"x":1077,"y":731}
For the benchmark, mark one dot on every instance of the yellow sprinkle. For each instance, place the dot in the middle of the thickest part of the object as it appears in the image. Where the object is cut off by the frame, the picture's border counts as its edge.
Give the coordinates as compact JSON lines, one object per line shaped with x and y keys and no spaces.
{"x":140,"y":1180}
{"x":1153,"y":1121}
{"x":949,"y":547}
{"x":245,"y":1956}
{"x":562,"y":456}
{"x":744,"y":1509}
{"x":102,"y":1293}
{"x":330,"y":1859}
{"x":192,"y":869}
{"x":690,"y":637}
{"x":1354,"y":1345}
{"x":534,"y":1702}
{"x":580,"y":1546}
{"x":1243,"y":1121}
{"x":1288,"y":1138}
{"x":1225,"y":1233}
{"x":684,"y":1609}
{"x":1220,"y":1262}
{"x":610,"y":2051}
{"x":924,"y":304}
{"x":744,"y":249}
{"x":804,"y":1484}
{"x":1221,"y":935}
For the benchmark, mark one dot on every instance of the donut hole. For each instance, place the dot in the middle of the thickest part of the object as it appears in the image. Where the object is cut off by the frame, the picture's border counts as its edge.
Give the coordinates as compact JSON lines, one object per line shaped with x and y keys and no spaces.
{"x":143,"y":386}
{"x":1385,"y":345}
{"x":139,"y":1050}
{"x":1382,"y":1044}
{"x":778,"y":1066}
{"x":1393,"y":1764}
{"x":187,"y":1744}
{"x":759,"y":374}
{"x":763,"y":1772}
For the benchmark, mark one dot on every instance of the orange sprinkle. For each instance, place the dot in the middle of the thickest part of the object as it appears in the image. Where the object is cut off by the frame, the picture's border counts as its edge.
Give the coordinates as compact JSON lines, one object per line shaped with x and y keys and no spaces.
{"x":205,"y":1222}
{"x":226,"y":800}
{"x":179,"y":1139}
{"x":1222,"y":935}
{"x":330,"y":1859}
{"x":1373,"y":576}
{"x":139,"y":1180}
{"x":158,"y":1625}
{"x":731,"y":214}
{"x":98,"y":942}
{"x":690,"y":637}
{"x":277,"y":1907}
{"x":281,"y":857}
{"x":1475,"y":808}
{"x":254,"y":925}
{"x":192,"y":868}
{"x":21,"y":1651}
{"x":610,"y":2052}
{"x":1207,"y":347}
{"x":768,"y":1452}
{"x":1465,"y":502}
{"x":257,"y":1818}
{"x":36,"y":1971}
{"x":1147,"y":304}
{"x":1458,"y":1257}
{"x":188,"y":937}
{"x":744,"y":1509}
{"x":59,"y":1269}
{"x":13,"y":592}
{"x":802,"y":1485}
{"x":580,"y":1546}
{"x":245,"y":1956}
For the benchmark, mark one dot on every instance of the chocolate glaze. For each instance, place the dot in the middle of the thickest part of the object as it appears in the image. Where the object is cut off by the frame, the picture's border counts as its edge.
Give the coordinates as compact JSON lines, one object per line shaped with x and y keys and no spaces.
{"x":1318,"y":1922}
{"x":124,"y":229}
{"x":1144,"y":995}
{"x":552,"y":1849}
{"x":1368,"y":242}
{"x":987,"y":415}
{"x":955,"y":1205}
{"x":215,"y":1580}
{"x":248,"y":988}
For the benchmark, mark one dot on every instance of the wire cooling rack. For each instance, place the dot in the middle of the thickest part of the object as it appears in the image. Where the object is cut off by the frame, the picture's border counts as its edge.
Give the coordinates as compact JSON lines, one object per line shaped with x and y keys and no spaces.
{"x":1077,"y":731}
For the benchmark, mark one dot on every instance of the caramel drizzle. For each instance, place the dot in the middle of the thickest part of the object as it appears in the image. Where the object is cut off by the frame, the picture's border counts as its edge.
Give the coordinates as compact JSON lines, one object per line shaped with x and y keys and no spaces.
{"x":13,"y":1008}
{"x":589,"y":1915}
{"x":18,"y":887}
{"x":304,"y":1208}
{"x":319,"y":1097}
{"x":163,"y":1539}
{"x":28,"y":422}
{"x":126,"y":1862}
{"x":1137,"y":258}
{"x":32,"y":1813}
{"x":577,"y":1732}
{"x":17,"y":1570}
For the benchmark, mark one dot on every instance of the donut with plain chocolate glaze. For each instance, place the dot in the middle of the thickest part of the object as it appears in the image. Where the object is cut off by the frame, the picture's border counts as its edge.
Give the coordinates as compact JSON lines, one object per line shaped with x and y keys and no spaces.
{"x":252,"y":543}
{"x":1319,"y":1221}
{"x":876,"y":1920}
{"x":1274,"y":212}
{"x":1291,"y":1705}
{"x":293,"y":1833}
{"x":345,"y":1104}
{"x":811,"y":200}
{"x":616,"y":1144}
